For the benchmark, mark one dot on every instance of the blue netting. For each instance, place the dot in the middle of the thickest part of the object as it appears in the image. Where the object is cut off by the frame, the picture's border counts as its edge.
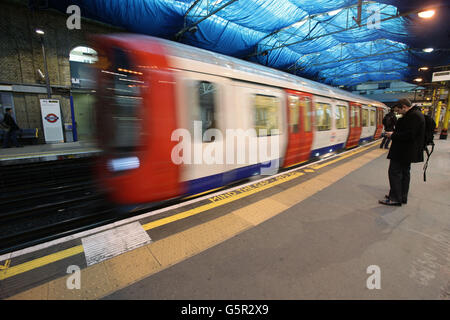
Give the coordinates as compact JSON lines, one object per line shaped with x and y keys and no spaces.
{"x":317,"y":39}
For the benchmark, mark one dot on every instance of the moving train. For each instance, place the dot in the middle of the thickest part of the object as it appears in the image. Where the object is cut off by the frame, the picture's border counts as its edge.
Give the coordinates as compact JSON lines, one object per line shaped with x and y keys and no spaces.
{"x":148,"y":88}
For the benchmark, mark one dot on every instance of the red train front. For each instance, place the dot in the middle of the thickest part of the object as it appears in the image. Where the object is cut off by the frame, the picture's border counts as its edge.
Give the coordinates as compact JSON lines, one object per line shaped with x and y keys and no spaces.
{"x":135,"y":120}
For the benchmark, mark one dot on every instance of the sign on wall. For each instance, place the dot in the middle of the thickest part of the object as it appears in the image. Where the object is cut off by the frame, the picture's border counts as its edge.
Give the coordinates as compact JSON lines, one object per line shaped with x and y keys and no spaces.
{"x":441,"y":76}
{"x":51,"y":120}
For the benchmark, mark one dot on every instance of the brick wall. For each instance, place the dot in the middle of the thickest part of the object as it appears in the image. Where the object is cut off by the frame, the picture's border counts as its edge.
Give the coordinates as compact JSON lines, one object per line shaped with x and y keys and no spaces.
{"x":21,"y":56}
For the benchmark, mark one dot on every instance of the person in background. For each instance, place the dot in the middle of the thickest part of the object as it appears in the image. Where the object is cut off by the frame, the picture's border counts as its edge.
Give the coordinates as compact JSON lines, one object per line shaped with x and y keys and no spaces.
{"x":389,"y":122}
{"x":13,"y":130}
{"x":407,"y":147}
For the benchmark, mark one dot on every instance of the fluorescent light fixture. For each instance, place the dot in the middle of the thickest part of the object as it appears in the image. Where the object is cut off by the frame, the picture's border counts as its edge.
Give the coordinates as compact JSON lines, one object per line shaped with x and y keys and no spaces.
{"x":39,"y":31}
{"x":428,"y":50}
{"x":123,"y":164}
{"x":423,"y":68}
{"x":418,"y":79}
{"x":426,"y":14}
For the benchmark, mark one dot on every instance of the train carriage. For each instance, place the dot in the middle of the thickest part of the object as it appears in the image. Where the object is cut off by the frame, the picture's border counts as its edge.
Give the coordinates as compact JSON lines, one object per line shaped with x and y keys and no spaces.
{"x":154,"y":95}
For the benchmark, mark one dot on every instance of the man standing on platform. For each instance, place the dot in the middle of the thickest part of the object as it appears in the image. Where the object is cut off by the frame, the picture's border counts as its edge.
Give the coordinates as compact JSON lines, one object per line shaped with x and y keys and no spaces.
{"x":406,"y":148}
{"x":13,"y":129}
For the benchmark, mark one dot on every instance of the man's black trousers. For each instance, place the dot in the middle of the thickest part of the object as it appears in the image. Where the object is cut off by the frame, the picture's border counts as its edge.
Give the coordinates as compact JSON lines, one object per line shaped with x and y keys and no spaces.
{"x":399,"y":176}
{"x":385,"y":142}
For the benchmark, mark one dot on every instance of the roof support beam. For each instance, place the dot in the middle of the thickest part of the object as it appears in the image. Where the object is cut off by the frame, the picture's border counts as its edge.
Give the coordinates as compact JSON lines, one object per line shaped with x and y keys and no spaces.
{"x":187,"y":28}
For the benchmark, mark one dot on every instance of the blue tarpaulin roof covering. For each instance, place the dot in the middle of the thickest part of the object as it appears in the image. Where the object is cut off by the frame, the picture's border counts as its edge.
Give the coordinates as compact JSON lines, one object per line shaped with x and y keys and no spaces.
{"x":318,"y":39}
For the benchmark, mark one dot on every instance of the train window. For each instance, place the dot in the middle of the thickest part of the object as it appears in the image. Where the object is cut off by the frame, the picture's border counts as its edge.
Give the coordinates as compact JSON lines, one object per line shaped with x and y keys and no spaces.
{"x":372,"y":118}
{"x":352,"y":117}
{"x":294,"y":113}
{"x":204,"y":105}
{"x":341,"y":117}
{"x":356,"y":120}
{"x":358,"y":117}
{"x":365,"y":117}
{"x":265,"y":114}
{"x":121,"y":98}
{"x":306,"y":113}
{"x":323,"y":116}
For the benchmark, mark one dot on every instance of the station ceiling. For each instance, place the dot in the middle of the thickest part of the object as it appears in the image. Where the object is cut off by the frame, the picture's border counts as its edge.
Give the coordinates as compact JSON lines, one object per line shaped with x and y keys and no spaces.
{"x":322,"y":40}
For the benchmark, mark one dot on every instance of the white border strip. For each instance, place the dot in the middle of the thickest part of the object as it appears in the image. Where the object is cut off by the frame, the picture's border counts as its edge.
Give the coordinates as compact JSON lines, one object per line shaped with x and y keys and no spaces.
{"x":155,"y":212}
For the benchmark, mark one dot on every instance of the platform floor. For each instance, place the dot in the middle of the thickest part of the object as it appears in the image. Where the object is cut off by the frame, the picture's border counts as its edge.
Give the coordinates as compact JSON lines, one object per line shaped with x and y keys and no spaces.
{"x":311,"y":233}
{"x":47,"y":152}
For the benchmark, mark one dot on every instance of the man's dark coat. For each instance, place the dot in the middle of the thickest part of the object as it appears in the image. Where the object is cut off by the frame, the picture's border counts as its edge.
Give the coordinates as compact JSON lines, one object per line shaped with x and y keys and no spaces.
{"x":408,"y":138}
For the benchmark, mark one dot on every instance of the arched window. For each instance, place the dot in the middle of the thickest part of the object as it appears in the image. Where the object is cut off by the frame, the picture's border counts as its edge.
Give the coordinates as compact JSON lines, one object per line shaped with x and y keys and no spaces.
{"x":83,"y":55}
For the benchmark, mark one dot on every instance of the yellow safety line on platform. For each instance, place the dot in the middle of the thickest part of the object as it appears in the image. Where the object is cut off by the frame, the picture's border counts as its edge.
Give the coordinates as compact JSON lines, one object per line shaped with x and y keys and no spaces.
{"x":235,"y":196}
{"x":36,"y":263}
{"x":201,"y":193}
{"x":33,"y":264}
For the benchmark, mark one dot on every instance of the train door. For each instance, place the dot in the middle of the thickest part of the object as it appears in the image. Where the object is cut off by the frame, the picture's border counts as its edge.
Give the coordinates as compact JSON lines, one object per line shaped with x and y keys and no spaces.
{"x":365,"y":123}
{"x":341,"y":127}
{"x":300,"y":133}
{"x":379,"y":123}
{"x":323,"y":123}
{"x":372,"y":122}
{"x":355,"y":125}
{"x":202,"y":101}
{"x":257,"y":119}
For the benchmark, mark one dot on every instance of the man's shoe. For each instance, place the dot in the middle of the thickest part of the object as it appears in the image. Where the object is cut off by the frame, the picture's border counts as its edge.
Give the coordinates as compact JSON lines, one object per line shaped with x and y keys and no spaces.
{"x":386,"y":196}
{"x":388,"y":202}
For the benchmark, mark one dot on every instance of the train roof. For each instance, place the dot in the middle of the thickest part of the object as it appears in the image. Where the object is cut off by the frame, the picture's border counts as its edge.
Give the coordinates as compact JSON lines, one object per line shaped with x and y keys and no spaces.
{"x":195,"y":59}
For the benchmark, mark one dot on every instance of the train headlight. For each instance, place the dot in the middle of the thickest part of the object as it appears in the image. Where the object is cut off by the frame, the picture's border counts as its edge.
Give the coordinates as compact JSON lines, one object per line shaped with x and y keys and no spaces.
{"x":123,"y":164}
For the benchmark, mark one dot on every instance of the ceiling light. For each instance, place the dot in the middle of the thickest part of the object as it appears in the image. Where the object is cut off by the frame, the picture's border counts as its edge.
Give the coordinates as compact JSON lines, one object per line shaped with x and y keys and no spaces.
{"x":418,"y":79}
{"x":428,"y":50}
{"x":39,"y":31}
{"x":426,"y":14}
{"x":423,"y":68}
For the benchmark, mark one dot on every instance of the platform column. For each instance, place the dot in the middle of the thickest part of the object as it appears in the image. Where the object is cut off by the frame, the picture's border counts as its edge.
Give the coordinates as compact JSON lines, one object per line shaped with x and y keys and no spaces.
{"x":443,"y":135}
{"x":437,"y":113}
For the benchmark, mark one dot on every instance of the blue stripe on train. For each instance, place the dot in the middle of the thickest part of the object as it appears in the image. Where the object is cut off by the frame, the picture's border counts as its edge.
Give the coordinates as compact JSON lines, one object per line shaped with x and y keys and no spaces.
{"x":329,"y":149}
{"x":365,"y":140}
{"x":221,"y":179}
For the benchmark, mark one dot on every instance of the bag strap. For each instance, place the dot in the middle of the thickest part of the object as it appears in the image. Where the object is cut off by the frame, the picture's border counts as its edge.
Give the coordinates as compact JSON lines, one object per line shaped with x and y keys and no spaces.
{"x":425,"y":167}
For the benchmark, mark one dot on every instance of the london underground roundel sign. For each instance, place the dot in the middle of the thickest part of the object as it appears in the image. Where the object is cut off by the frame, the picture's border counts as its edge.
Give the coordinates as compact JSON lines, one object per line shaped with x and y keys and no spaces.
{"x":51,"y":117}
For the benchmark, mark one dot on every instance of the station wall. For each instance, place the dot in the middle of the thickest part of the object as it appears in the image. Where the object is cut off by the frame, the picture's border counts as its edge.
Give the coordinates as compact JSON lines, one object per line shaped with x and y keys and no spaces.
{"x":21,"y":57}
